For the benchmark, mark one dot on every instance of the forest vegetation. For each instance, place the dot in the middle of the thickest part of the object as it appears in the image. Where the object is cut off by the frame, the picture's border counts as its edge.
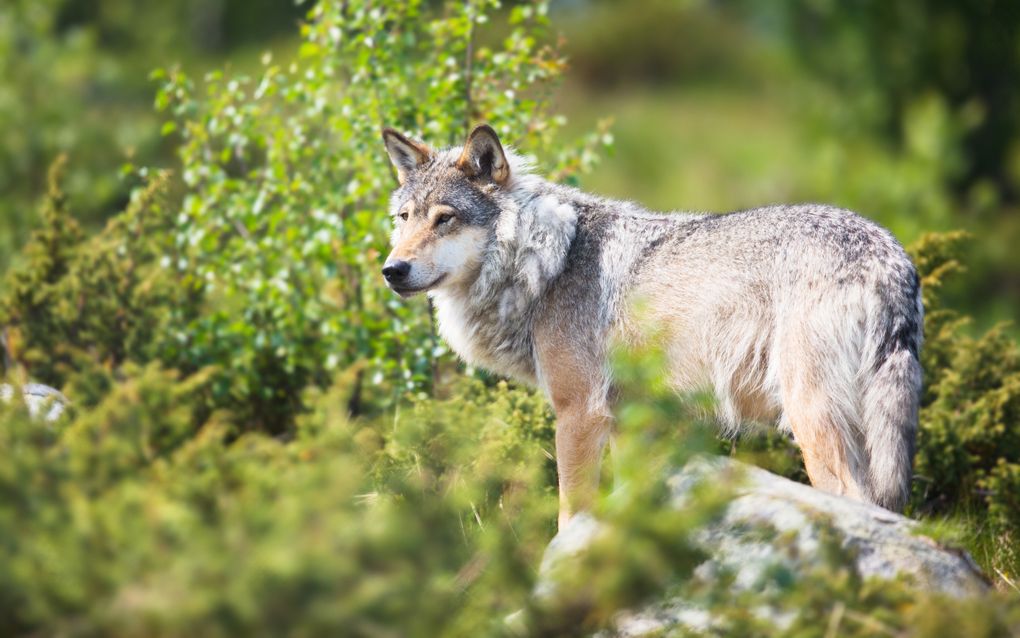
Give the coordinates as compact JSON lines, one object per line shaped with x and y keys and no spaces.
{"x":263,"y":440}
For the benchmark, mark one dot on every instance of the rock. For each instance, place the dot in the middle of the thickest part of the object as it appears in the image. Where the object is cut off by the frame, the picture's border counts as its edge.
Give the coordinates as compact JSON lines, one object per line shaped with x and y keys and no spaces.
{"x":883,"y":544}
{"x":42,"y":400}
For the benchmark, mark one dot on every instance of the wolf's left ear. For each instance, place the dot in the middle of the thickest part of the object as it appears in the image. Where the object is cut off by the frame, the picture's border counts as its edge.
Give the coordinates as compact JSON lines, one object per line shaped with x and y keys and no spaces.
{"x":405,"y":153}
{"x":483,"y":156}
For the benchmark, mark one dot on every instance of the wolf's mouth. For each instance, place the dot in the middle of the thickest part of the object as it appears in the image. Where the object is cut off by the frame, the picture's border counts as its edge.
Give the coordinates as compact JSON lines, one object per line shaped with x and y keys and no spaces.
{"x":409,"y":292}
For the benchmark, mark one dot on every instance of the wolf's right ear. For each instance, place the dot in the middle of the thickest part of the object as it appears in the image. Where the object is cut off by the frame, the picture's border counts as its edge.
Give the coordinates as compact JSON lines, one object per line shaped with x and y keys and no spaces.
{"x":405,"y":153}
{"x":483,"y":156}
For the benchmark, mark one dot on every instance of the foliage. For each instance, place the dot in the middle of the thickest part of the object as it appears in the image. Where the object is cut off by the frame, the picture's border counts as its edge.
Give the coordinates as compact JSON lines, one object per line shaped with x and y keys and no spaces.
{"x":969,"y":453}
{"x":283,"y":226}
{"x":73,"y":80}
{"x":144,"y":520}
{"x":146,"y":517}
{"x":78,"y":308}
{"x":29,"y":294}
{"x":890,"y":57}
{"x":261,"y":441}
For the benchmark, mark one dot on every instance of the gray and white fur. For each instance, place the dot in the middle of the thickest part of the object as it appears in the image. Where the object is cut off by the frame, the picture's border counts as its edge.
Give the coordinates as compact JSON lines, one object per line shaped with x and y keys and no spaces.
{"x":806,"y":316}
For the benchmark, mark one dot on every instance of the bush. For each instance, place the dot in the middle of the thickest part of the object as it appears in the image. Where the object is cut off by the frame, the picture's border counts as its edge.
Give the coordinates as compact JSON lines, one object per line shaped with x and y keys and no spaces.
{"x":141,"y":520}
{"x":73,"y":80}
{"x":969,"y":447}
{"x":269,"y":269}
{"x":283,"y":227}
{"x":261,"y":442}
{"x":143,"y":517}
{"x":78,"y":308}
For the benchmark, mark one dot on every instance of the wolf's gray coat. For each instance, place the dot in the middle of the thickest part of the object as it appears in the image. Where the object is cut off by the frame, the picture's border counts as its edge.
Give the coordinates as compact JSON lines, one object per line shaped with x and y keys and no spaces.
{"x":805,"y":315}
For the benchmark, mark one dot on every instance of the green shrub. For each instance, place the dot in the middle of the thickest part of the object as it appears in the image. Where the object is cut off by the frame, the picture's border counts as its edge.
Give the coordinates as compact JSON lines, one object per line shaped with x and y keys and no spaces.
{"x":968,"y":456}
{"x":269,"y":269}
{"x":77,"y":308}
{"x":283,"y":226}
{"x":262,"y":442}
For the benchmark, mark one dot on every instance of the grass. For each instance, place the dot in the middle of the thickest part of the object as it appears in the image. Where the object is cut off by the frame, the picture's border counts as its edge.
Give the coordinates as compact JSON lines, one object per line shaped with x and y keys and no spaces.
{"x":996,"y":556}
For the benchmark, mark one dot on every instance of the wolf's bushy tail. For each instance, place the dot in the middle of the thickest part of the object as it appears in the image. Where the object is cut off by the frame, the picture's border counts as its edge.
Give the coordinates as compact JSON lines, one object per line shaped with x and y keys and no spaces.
{"x":891,"y":384}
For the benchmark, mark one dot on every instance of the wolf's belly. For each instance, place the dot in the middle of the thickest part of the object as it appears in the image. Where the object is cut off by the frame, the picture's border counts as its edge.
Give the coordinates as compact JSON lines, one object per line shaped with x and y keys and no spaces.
{"x":738,"y":399}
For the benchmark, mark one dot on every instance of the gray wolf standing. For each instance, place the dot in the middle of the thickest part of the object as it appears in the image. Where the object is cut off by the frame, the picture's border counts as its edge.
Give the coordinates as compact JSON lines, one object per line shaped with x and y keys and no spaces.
{"x":808,"y":316}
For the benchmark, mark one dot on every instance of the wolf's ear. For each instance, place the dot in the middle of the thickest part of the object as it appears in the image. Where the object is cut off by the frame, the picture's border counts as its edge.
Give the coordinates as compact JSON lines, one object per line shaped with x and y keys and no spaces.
{"x":405,"y":153}
{"x":483,"y":156}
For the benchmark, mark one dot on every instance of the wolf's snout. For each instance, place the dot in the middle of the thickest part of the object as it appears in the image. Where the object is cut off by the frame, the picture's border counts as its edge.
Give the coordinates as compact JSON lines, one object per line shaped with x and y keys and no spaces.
{"x":395,"y":271}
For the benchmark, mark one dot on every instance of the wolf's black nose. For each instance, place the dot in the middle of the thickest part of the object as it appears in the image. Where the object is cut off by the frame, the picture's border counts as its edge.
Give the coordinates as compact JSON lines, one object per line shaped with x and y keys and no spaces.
{"x":396,"y":271}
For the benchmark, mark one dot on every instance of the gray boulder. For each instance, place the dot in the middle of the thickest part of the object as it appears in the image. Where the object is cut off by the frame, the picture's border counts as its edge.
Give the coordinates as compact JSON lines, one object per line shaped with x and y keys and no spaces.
{"x":42,"y":401}
{"x":883,"y":544}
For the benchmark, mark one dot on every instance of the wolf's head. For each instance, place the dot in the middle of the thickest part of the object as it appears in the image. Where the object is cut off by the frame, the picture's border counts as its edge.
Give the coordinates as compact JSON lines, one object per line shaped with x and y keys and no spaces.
{"x":444,"y":210}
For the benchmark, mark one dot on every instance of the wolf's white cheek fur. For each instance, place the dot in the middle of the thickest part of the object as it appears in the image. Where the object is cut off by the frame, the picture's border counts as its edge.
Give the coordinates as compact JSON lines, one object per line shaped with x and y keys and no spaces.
{"x":457,"y":256}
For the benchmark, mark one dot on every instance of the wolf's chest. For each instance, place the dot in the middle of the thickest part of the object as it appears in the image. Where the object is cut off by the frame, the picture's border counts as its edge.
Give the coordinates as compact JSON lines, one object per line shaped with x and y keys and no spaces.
{"x":455,"y":327}
{"x":485,"y":339}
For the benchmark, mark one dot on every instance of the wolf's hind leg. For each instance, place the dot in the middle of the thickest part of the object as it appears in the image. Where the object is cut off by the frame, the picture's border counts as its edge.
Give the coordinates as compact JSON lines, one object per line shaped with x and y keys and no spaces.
{"x":823,"y":442}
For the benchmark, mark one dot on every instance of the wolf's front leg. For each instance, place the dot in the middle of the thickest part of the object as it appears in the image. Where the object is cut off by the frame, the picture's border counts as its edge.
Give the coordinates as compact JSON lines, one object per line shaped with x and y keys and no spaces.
{"x":580,"y":438}
{"x":571,"y":370}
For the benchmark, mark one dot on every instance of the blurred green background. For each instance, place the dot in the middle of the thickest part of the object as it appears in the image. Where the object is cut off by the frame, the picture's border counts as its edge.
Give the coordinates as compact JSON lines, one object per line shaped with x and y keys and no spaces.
{"x":907,"y":112}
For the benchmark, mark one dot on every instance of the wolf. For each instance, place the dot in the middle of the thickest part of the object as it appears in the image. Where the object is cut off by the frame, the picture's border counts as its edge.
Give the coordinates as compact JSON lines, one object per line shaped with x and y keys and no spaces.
{"x":806,"y":316}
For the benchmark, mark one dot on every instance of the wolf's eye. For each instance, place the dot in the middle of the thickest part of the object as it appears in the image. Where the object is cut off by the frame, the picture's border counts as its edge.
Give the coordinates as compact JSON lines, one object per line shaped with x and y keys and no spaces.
{"x":445,"y":218}
{"x":403,"y":216}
